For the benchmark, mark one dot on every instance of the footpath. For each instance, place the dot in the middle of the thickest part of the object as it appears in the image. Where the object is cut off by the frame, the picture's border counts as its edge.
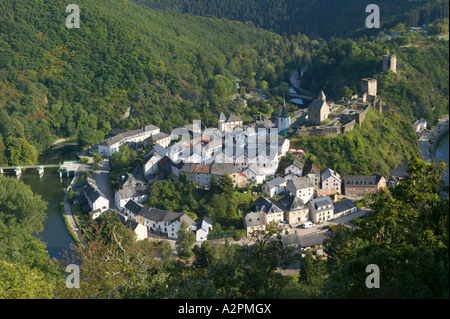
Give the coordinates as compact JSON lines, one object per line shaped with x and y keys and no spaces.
{"x":69,"y":215}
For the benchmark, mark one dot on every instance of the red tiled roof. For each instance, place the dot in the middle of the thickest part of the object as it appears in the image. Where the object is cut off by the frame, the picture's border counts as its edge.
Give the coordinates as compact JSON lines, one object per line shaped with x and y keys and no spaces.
{"x":201,"y":168}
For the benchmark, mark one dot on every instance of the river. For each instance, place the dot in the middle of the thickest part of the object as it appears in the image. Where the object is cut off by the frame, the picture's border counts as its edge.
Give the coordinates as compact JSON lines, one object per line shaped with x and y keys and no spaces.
{"x":442,"y":152}
{"x":51,"y":187}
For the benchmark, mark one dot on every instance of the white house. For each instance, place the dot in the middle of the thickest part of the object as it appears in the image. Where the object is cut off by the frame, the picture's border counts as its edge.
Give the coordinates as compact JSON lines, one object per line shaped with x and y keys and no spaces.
{"x":274,"y":187}
{"x":321,"y":209}
{"x":295,"y":167}
{"x":95,"y":197}
{"x":420,"y":125}
{"x":158,"y":221}
{"x":139,"y":229}
{"x":302,"y":188}
{"x":229,"y":123}
{"x":255,"y":174}
{"x":139,"y":194}
{"x":112,"y":145}
{"x":203,"y":226}
{"x":283,"y":146}
{"x":151,"y":160}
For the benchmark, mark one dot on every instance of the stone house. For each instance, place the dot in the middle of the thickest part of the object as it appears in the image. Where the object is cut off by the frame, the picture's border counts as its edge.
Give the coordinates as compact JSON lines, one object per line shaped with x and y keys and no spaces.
{"x":331,"y":180}
{"x":274,"y":187}
{"x":302,"y":188}
{"x":359,"y":185}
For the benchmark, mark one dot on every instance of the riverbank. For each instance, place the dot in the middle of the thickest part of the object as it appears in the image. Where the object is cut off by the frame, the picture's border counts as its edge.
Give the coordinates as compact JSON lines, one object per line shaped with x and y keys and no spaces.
{"x":432,"y":137}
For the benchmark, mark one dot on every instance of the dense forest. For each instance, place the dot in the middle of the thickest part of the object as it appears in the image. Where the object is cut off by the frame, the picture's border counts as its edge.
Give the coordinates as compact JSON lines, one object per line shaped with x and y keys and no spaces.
{"x":78,"y":83}
{"x":323,"y":18}
{"x":173,"y":68}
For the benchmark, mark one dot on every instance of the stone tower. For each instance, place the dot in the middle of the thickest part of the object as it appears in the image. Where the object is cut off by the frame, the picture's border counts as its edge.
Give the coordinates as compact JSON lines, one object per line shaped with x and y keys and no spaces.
{"x":284,"y":121}
{"x":390,"y":62}
{"x":369,"y":86}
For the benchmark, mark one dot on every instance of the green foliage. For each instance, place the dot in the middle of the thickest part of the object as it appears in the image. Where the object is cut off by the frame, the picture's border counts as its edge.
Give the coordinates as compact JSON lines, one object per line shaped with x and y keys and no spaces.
{"x":336,"y":19}
{"x":185,"y":240}
{"x":21,"y":218}
{"x":406,"y":235}
{"x":382,"y":143}
{"x":21,"y":282}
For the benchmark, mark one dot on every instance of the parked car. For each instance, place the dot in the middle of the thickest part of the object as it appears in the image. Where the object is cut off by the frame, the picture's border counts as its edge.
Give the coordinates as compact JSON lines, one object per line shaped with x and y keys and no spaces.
{"x":307,"y":225}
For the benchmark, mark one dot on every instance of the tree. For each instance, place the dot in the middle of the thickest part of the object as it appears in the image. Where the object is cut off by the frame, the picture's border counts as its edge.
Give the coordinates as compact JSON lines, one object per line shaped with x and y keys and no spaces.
{"x":113,"y":264}
{"x":406,"y":235}
{"x":226,"y":186}
{"x":20,"y":152}
{"x":21,"y":282}
{"x":185,"y":240}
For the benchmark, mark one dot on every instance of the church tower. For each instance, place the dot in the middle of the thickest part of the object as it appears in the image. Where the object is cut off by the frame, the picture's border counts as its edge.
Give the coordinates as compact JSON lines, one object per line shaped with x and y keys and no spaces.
{"x":284,"y":121}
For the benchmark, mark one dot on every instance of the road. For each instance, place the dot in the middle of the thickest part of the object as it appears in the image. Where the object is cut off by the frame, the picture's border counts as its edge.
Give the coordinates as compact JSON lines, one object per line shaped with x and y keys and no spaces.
{"x":101,"y":176}
{"x":70,"y":217}
{"x":424,"y":140}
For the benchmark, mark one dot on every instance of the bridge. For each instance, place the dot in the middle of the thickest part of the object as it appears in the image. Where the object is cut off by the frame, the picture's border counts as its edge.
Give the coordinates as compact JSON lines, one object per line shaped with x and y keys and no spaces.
{"x":66,"y":167}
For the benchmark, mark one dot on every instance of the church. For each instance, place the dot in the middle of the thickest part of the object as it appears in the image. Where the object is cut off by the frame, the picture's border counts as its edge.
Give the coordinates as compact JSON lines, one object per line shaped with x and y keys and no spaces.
{"x":284,"y":121}
{"x":318,"y":110}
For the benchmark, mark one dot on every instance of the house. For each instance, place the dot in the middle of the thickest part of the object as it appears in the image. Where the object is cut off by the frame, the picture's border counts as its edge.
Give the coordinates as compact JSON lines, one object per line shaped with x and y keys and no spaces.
{"x":229,"y":123}
{"x":331,"y":181}
{"x":291,"y":240}
{"x":198,"y":173}
{"x":313,"y":174}
{"x":283,"y":146}
{"x":112,"y":145}
{"x":94,"y":214}
{"x":139,"y":229}
{"x":396,"y":175}
{"x":344,"y":208}
{"x":137,"y":193}
{"x":203,"y":227}
{"x":151,"y":160}
{"x":95,"y":197}
{"x":161,"y":139}
{"x":318,"y":110}
{"x":254,"y":222}
{"x":220,"y":169}
{"x":313,"y":242}
{"x":295,"y":211}
{"x":272,"y":213}
{"x":321,"y":209}
{"x":257,"y":173}
{"x":162,"y":222}
{"x":359,"y":185}
{"x":274,"y":187}
{"x":295,"y":167}
{"x":289,"y":177}
{"x":420,"y":126}
{"x":302,"y":188}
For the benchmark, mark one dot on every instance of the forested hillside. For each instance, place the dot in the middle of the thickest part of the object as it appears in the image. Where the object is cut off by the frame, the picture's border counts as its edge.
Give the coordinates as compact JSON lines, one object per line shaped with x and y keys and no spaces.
{"x":319,"y":18}
{"x":78,"y":83}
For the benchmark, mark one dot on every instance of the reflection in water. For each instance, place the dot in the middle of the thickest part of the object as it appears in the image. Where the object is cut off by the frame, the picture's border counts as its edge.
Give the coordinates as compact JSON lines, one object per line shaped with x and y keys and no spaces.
{"x":51,"y":187}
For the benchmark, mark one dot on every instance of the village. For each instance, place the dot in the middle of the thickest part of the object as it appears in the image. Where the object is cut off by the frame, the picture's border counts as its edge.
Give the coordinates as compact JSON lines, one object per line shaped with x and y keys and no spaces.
{"x":303,"y":200}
